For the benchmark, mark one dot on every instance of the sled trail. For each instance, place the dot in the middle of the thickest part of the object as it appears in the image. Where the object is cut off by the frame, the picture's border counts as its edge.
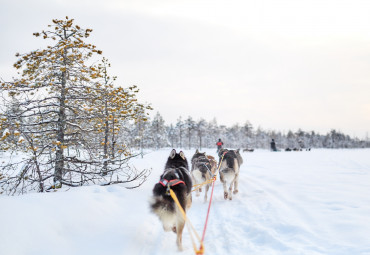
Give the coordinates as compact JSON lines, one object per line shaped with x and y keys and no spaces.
{"x":289,"y":203}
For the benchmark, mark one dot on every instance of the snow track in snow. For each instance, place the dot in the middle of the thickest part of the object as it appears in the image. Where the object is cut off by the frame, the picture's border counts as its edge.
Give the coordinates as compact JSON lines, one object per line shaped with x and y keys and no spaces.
{"x":289,"y":203}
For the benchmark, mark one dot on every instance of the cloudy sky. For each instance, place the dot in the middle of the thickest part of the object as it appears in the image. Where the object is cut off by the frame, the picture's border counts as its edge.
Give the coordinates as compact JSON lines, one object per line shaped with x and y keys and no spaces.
{"x":279,"y":64}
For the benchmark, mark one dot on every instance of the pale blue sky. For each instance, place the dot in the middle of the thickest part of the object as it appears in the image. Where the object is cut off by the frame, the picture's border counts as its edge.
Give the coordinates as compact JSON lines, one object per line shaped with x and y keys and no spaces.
{"x":279,"y":64}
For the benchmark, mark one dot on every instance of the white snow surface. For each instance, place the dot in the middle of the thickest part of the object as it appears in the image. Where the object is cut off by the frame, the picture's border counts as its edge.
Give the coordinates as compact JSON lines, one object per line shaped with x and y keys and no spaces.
{"x":315,"y":202}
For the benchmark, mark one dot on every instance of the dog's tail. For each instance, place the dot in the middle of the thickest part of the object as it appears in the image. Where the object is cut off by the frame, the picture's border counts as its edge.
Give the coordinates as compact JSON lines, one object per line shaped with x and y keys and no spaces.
{"x":236,"y":165}
{"x":161,"y":203}
{"x":227,"y":174}
{"x":227,"y":170}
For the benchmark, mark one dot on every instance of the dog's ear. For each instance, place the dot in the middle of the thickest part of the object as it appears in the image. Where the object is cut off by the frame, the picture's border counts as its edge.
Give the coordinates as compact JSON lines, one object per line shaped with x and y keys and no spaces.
{"x":204,"y":153}
{"x":197,"y":151}
{"x":182,"y":155}
{"x":173,"y":153}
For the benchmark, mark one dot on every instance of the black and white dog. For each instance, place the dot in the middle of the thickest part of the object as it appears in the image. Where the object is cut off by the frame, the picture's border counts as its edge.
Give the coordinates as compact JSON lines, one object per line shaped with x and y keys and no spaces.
{"x":176,"y":176}
{"x":229,"y":163}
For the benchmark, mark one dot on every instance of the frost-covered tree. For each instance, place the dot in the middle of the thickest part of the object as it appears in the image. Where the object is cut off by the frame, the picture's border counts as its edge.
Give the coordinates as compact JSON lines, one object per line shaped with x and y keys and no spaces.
{"x":189,"y":127}
{"x":10,"y":127}
{"x":158,"y":131}
{"x":110,"y":106}
{"x":249,"y":136}
{"x":57,"y":98}
{"x":137,"y":133}
{"x":172,"y":136}
{"x":200,"y":129}
{"x":213,"y":133}
{"x":233,"y":136}
{"x":180,"y":131}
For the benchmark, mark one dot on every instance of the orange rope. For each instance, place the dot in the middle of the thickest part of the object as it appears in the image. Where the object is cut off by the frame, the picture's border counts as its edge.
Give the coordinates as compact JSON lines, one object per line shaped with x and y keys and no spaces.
{"x":188,"y":223}
{"x":209,"y":206}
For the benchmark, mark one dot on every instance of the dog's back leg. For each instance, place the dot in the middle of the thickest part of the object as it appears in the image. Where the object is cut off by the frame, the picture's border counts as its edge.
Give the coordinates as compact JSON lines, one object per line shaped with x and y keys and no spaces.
{"x":236,"y":183}
{"x":236,"y":180}
{"x":223,"y":180}
{"x":206,"y":192}
{"x":195,"y":182}
{"x":197,"y":179}
{"x":207,"y":177}
{"x":189,"y":201}
{"x":231,"y":188}
{"x":180,"y":223}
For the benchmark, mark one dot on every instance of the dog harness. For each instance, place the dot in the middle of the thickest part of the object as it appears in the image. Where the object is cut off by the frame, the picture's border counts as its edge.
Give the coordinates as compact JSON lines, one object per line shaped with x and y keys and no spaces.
{"x":204,"y":162}
{"x":167,"y":183}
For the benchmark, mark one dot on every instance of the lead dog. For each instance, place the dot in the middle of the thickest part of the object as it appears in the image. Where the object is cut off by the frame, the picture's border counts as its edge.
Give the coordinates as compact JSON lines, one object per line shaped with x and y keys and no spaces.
{"x":176,"y":176}
{"x":203,"y":167}
{"x":230,"y":161}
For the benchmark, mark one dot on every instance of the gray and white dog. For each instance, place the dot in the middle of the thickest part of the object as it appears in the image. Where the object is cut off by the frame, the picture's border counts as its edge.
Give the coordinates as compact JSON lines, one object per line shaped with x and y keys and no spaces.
{"x":176,"y":176}
{"x":229,"y":163}
{"x":203,"y":167}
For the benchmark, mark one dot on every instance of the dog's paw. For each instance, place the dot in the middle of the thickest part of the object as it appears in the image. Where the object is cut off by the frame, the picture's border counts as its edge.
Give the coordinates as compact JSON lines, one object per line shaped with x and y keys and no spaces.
{"x":225,"y":195}
{"x":174,"y":229}
{"x":235,"y":191}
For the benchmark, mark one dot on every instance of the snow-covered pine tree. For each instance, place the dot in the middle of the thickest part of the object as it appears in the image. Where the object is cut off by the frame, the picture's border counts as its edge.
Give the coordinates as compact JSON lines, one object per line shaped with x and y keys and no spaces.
{"x":52,"y":92}
{"x":212,"y":134}
{"x":249,"y":135}
{"x":110,"y":108}
{"x":180,"y":131}
{"x":171,"y":131}
{"x":200,"y":129}
{"x":189,"y":127}
{"x":159,"y":132}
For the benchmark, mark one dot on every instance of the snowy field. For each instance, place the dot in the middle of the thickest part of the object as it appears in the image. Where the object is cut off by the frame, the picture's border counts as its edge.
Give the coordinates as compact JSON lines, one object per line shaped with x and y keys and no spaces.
{"x":313,"y":203}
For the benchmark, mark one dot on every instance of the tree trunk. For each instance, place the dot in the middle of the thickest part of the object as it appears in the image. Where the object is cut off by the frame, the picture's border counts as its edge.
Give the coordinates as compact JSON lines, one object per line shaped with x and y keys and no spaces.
{"x":189,"y":137}
{"x":59,"y":154}
{"x":180,"y":137}
{"x":106,"y":134}
{"x":113,"y":139}
{"x":200,"y":142}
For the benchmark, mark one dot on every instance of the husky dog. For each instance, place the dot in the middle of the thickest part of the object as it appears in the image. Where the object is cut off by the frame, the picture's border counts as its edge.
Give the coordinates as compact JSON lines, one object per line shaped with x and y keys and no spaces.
{"x":176,"y":176}
{"x":229,"y":163}
{"x":203,"y":167}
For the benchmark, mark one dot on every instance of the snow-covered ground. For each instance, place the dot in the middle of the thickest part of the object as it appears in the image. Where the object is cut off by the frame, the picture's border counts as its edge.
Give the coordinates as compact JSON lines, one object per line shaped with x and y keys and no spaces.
{"x":314,"y":202}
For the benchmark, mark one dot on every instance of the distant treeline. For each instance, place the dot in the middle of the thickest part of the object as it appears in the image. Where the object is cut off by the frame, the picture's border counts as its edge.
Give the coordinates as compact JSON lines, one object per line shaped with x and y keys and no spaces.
{"x":189,"y":133}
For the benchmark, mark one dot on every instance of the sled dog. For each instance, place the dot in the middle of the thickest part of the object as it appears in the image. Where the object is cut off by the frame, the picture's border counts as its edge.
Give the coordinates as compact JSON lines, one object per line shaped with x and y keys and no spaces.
{"x":203,"y":167}
{"x":229,"y":163}
{"x":176,"y":176}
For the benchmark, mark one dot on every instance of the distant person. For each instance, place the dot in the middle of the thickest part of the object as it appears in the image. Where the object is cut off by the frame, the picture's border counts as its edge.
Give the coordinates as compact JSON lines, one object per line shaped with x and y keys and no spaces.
{"x":219,"y":145}
{"x":273,"y":145}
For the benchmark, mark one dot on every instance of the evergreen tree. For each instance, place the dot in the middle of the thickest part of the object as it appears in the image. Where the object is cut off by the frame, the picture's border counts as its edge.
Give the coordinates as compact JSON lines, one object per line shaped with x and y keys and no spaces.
{"x":110,"y":107}
{"x":180,"y":128}
{"x":171,"y":131}
{"x":189,"y":127}
{"x":57,"y":97}
{"x":158,"y":131}
{"x":200,"y":127}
